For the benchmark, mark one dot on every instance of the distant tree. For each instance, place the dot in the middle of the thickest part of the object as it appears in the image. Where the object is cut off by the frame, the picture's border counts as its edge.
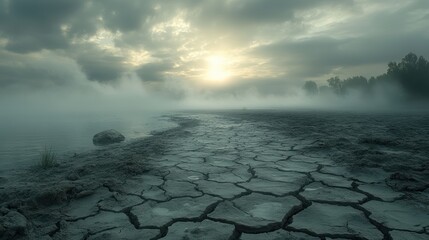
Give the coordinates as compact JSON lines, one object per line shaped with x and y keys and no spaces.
{"x":324,"y":90}
{"x":310,"y":88}
{"x":335,"y":84}
{"x":412,"y":73}
{"x":355,"y":83}
{"x":379,"y":80}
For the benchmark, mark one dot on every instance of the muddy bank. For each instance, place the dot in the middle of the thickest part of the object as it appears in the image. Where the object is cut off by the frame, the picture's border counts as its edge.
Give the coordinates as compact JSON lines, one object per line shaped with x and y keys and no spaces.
{"x":32,"y":200}
{"x":247,"y":175}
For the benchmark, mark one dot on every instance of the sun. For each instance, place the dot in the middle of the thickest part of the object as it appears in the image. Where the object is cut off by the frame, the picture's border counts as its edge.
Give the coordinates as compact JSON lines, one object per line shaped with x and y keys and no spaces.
{"x":217,"y":68}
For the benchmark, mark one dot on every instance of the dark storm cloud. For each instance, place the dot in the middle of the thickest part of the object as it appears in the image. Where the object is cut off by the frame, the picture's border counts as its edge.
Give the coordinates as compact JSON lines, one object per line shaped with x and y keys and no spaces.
{"x":153,"y":72}
{"x":296,"y":40}
{"x":36,"y":71}
{"x":248,"y":12}
{"x":31,"y":26}
{"x":372,"y":39}
{"x":124,"y":15}
{"x":100,"y":65}
{"x":34,"y":25}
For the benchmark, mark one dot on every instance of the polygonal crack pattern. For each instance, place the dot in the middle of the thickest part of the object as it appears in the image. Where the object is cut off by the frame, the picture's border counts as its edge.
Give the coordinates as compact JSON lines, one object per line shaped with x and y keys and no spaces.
{"x":223,"y":179}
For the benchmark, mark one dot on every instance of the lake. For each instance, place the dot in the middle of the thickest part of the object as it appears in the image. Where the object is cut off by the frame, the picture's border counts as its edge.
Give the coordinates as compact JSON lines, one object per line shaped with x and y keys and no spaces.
{"x":22,"y":138}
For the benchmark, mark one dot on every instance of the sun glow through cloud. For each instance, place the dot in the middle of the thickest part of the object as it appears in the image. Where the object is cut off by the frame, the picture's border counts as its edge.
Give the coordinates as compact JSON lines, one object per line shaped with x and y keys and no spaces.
{"x":217,"y":69}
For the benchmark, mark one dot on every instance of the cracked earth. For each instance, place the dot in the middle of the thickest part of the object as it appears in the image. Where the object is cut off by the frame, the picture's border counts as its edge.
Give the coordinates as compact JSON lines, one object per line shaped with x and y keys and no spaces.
{"x":217,"y":177}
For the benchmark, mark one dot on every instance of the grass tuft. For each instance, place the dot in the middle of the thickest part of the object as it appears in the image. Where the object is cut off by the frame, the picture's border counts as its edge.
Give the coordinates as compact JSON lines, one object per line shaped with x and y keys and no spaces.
{"x":48,"y":159}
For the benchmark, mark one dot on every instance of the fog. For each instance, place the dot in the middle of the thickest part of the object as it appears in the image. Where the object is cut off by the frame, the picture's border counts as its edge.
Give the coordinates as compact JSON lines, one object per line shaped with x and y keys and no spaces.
{"x":214,"y":119}
{"x":129,"y":97}
{"x":62,"y":60}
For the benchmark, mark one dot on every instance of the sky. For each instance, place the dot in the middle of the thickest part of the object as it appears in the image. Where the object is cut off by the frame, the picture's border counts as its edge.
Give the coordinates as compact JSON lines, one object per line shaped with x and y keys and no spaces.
{"x":163,"y":51}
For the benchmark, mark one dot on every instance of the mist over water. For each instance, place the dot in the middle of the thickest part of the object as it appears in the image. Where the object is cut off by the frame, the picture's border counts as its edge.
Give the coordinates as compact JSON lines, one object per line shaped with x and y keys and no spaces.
{"x":66,"y":120}
{"x":234,"y":119}
{"x":22,"y":140}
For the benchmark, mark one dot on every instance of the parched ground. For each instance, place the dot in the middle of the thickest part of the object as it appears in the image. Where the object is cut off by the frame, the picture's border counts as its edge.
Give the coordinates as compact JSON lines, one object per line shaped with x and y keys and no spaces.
{"x":244,"y":175}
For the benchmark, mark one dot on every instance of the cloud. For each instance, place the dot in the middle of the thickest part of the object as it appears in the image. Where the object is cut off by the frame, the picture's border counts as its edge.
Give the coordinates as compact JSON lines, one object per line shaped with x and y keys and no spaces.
{"x":272,"y":44}
{"x":324,"y":55}
{"x":38,"y":71}
{"x":126,"y":15}
{"x":35,"y":25}
{"x":153,"y":72}
{"x":100,"y":65}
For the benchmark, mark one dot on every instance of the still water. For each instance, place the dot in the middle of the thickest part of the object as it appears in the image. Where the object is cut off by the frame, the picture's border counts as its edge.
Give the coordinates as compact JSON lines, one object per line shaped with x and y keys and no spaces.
{"x":22,"y":138}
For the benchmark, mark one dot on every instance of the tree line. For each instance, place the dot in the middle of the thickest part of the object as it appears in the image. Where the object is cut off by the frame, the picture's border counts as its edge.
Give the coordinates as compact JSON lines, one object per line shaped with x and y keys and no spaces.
{"x":411,"y":75}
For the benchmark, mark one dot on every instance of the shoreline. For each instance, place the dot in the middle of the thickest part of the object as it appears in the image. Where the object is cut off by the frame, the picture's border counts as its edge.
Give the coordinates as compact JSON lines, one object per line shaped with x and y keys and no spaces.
{"x":31,"y":189}
{"x":278,"y":170}
{"x":22,"y":141}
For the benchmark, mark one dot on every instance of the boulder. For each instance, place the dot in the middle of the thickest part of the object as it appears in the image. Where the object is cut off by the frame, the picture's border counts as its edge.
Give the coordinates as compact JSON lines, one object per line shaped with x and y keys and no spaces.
{"x":108,"y":137}
{"x":12,"y":225}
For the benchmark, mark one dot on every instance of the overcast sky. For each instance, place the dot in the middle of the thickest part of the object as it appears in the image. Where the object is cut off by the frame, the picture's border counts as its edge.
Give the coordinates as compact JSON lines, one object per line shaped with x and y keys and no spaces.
{"x":170,"y":46}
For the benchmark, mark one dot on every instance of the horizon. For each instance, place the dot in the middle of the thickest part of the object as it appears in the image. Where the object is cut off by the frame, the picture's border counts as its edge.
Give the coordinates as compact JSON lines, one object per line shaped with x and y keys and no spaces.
{"x":214,"y":119}
{"x":168,"y":55}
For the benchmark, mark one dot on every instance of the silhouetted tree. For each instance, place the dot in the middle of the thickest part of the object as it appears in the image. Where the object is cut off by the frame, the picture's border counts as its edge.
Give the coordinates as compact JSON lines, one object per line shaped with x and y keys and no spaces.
{"x":310,"y":88}
{"x":335,"y":84}
{"x":412,"y":73}
{"x":355,"y":83}
{"x":379,"y":80}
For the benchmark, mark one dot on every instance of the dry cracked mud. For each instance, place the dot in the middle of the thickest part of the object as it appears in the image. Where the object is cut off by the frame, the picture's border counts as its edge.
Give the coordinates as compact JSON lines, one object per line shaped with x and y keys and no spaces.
{"x":215,"y":177}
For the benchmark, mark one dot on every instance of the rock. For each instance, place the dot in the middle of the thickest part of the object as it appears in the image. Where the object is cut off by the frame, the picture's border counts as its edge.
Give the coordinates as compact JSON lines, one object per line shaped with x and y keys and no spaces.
{"x":108,"y":137}
{"x":13,"y":224}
